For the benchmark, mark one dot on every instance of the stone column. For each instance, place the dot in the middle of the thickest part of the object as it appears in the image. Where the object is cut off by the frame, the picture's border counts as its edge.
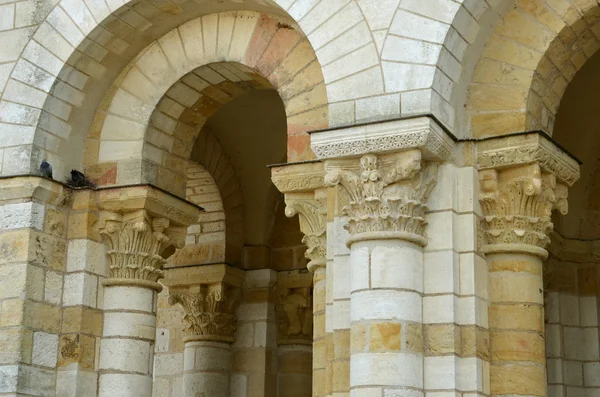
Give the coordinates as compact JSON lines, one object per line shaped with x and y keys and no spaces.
{"x":140,"y":227}
{"x":294,"y":338}
{"x":306,"y":197}
{"x":522,"y":181}
{"x":386,"y":221}
{"x":209,"y":296}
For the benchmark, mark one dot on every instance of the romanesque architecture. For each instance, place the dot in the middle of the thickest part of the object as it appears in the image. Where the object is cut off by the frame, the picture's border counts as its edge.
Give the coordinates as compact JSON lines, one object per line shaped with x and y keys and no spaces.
{"x":300,"y":198}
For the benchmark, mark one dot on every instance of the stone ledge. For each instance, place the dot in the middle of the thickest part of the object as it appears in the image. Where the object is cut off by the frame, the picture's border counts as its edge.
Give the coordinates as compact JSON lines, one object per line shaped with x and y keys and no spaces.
{"x":522,"y":149}
{"x":422,"y":133}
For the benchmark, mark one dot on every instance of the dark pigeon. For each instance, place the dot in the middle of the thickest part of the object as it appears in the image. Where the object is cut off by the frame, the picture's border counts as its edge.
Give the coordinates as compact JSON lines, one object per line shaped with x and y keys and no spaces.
{"x":46,"y":169}
{"x":78,"y":179}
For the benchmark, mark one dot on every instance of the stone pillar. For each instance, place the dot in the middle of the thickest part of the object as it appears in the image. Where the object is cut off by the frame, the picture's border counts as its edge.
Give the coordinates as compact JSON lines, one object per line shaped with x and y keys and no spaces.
{"x":305,"y":196}
{"x":386,"y":221}
{"x":140,"y":227}
{"x":209,"y":296}
{"x":294,"y":338}
{"x":523,"y":180}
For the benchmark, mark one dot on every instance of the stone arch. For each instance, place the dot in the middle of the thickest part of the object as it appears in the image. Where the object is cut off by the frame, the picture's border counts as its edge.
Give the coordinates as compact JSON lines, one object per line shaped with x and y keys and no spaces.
{"x":532,"y":54}
{"x":67,"y":70}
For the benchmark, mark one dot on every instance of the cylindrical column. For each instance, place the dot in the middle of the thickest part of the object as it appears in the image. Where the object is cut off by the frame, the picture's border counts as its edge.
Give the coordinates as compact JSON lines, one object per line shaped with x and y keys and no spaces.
{"x":206,"y":368}
{"x":518,"y":204}
{"x":386,"y":222}
{"x":127,"y":345}
{"x":386,"y":317}
{"x":294,"y":379}
{"x":516,"y":318}
{"x":319,"y":363}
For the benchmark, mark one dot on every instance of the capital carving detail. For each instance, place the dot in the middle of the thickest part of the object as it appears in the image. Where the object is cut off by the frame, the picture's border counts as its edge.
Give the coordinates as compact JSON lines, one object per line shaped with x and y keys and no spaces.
{"x":518,"y":204}
{"x":295,"y":316}
{"x":209,"y":313}
{"x":313,"y":219}
{"x":387,"y":197}
{"x":136,"y":248}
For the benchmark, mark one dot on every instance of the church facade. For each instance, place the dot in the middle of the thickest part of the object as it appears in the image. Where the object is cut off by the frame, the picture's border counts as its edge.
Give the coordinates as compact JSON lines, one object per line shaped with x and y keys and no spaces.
{"x":299,"y":198}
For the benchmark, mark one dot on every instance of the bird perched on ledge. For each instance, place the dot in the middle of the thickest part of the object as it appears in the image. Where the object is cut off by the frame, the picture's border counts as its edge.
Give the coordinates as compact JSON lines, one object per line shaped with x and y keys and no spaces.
{"x":46,"y":169}
{"x":78,"y":179}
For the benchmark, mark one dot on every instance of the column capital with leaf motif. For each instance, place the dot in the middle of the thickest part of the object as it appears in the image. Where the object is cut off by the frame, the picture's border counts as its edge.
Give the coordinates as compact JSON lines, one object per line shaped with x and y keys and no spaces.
{"x":522,"y":180}
{"x":141,"y":227}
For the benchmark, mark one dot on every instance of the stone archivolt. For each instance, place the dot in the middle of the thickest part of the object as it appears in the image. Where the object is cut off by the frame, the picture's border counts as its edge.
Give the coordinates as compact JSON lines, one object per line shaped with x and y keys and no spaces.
{"x":313,"y":218}
{"x":136,"y":246}
{"x":387,"y":195}
{"x":518,"y":204}
{"x":294,"y":316}
{"x":209,"y":312}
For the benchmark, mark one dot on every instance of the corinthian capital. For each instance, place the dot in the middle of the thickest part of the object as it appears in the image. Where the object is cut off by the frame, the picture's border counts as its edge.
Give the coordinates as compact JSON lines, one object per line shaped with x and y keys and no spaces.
{"x":386,"y":194}
{"x":311,"y":209}
{"x":522,"y":180}
{"x":209,"y":311}
{"x":137,"y":246}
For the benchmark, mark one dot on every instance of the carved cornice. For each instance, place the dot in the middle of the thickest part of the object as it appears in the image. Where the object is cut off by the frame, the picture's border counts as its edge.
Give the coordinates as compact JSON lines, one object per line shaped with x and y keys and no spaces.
{"x":386,"y":195}
{"x":301,"y":177}
{"x":419,"y":133}
{"x":137,"y":246}
{"x":312,"y":213}
{"x":294,"y":316}
{"x":518,"y":204}
{"x":518,"y":150}
{"x":209,"y":312}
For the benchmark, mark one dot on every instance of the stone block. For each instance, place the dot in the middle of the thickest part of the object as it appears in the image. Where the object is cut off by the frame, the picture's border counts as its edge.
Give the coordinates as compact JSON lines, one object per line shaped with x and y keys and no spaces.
{"x":133,"y":325}
{"x":78,"y":348}
{"x":388,"y":271}
{"x":15,"y":346}
{"x":45,"y":349}
{"x":385,"y":304}
{"x":440,"y":272}
{"x":128,"y":298}
{"x":80,"y":289}
{"x":22,"y":215}
{"x":168,"y":364}
{"x":512,"y":379}
{"x":125,"y":385}
{"x":125,"y":355}
{"x":87,"y":255}
{"x":440,"y":372}
{"x":381,"y":369}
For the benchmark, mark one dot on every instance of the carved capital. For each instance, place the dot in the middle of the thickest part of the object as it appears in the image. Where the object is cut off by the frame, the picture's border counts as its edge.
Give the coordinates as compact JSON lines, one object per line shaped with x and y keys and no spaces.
{"x":137,"y":246}
{"x":312,"y":213}
{"x":209,"y":311}
{"x":386,"y":195}
{"x":294,"y":308}
{"x":518,"y":203}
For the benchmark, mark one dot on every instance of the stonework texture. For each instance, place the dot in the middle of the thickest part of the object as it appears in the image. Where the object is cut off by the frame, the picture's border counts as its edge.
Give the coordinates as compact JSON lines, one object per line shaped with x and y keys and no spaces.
{"x":298,"y":198}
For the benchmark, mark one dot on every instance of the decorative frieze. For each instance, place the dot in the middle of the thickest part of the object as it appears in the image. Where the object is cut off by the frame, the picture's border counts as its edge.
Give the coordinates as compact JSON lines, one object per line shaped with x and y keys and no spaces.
{"x":386,"y":194}
{"x":312,"y":212}
{"x":392,"y":136}
{"x":209,"y":311}
{"x":137,"y":246}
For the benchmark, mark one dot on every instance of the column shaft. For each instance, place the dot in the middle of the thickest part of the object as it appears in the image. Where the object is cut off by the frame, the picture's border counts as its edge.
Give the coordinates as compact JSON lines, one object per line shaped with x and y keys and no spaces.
{"x":127,"y":345}
{"x":516,"y":317}
{"x":319,"y":364}
{"x":206,"y":368}
{"x":386,"y":318}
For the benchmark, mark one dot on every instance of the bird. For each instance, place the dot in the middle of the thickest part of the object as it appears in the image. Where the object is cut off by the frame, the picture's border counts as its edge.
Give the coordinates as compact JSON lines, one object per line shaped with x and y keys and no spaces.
{"x":78,"y":179}
{"x":46,"y":169}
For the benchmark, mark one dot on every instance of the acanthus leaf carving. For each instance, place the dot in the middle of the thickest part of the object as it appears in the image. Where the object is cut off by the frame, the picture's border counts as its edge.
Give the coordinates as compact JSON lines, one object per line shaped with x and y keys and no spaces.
{"x":294,"y":316}
{"x":387,"y":197}
{"x":312,"y":214}
{"x":135,"y":247}
{"x":518,"y":204}
{"x":209,"y":312}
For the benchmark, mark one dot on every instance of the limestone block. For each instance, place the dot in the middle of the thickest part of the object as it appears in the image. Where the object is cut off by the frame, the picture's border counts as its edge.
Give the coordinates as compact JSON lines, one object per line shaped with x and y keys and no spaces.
{"x":74,"y":383}
{"x":211,"y":356}
{"x":45,"y":349}
{"x":36,"y":381}
{"x":351,"y":40}
{"x":208,"y":384}
{"x":340,"y":317}
{"x":440,"y":222}
{"x":440,"y":272}
{"x":569,"y":309}
{"x":260,"y":278}
{"x":385,"y":304}
{"x":349,"y":64}
{"x":168,"y":364}
{"x":80,"y":289}
{"x":440,"y":372}
{"x":82,"y":319}
{"x":162,"y":340}
{"x":15,"y":40}
{"x":134,"y":325}
{"x":386,"y":369}
{"x":359,"y":267}
{"x":9,"y":375}
{"x":87,"y":255}
{"x":124,"y":385}
{"x":397,"y":265}
{"x":125,"y":355}
{"x":128,"y":298}
{"x":438,"y":309}
{"x":362,"y":84}
{"x":573,"y":373}
{"x":588,"y":307}
{"x":253,"y":311}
